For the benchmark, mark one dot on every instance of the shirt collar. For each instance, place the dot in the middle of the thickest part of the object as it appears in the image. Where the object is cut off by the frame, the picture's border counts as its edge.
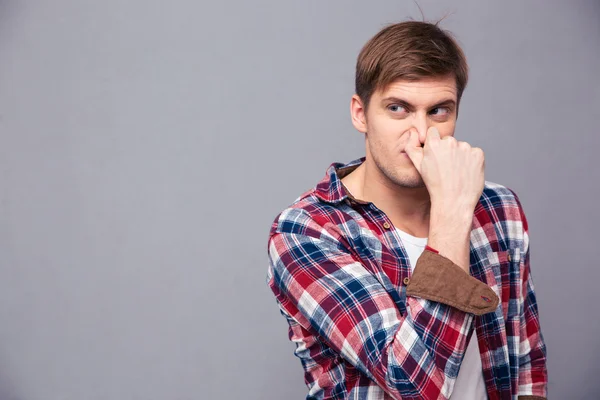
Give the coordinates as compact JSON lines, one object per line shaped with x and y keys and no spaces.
{"x":331,"y":189}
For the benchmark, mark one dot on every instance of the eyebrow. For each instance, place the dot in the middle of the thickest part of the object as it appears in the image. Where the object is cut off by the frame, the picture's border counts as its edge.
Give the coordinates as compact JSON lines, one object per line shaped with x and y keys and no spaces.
{"x":446,"y":102}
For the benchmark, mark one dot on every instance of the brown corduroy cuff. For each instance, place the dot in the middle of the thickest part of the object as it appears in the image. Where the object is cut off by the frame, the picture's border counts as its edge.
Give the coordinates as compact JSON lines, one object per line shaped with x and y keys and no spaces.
{"x":437,"y":278}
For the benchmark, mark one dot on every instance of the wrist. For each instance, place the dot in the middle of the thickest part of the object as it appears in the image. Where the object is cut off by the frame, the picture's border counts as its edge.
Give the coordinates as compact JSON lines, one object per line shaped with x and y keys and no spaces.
{"x":449,"y":234}
{"x":451,"y":202}
{"x":429,"y":248}
{"x":455,"y":216}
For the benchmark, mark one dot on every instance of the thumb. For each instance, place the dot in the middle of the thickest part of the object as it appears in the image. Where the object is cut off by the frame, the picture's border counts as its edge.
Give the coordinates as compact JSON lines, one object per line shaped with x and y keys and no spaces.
{"x":414,"y":150}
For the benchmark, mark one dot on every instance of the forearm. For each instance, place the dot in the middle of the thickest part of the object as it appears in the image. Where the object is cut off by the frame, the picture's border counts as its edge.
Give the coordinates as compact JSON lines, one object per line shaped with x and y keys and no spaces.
{"x":449,"y":232}
{"x":533,"y":374}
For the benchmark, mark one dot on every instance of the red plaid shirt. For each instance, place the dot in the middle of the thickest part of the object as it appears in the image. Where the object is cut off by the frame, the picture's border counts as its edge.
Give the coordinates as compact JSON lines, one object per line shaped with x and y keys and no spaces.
{"x":341,"y":276}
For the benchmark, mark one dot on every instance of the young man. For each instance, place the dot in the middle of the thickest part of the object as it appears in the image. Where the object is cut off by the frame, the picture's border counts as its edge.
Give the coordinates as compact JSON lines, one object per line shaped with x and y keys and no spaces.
{"x":403,"y":274}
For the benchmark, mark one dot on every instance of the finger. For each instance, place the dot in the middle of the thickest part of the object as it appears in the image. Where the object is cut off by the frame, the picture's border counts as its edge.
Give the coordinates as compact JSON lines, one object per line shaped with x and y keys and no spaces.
{"x":477,"y":151}
{"x":414,"y":150}
{"x":432,"y":135}
{"x":478,"y":154}
{"x":464,"y":145}
{"x":450,"y":139}
{"x":413,"y":145}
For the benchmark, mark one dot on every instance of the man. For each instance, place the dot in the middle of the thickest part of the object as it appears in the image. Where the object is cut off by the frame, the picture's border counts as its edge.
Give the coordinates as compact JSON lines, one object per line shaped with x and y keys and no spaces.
{"x":404,"y":274}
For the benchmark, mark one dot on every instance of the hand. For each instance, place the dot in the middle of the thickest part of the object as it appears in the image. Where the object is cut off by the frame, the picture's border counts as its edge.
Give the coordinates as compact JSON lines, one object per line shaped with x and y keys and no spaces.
{"x":452,"y":171}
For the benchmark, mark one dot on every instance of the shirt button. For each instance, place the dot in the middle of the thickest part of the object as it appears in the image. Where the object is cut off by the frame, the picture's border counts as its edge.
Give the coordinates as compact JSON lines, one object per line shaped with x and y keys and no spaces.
{"x":386,"y":225}
{"x":509,"y":258}
{"x":406,"y":280}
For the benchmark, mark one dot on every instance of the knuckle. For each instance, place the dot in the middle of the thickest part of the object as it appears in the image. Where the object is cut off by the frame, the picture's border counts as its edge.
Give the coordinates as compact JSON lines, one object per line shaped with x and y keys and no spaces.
{"x":464,"y":145}
{"x":451,"y":140}
{"x":478,"y":152}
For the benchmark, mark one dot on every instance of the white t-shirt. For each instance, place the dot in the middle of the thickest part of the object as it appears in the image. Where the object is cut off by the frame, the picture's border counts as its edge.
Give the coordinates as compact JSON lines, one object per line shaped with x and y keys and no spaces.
{"x":469,"y":384}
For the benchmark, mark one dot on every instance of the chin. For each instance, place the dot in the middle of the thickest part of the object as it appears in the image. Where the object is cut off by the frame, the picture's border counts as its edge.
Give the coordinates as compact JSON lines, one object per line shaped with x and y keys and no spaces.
{"x":410,"y":182}
{"x":408,"y":179}
{"x":401,"y":175}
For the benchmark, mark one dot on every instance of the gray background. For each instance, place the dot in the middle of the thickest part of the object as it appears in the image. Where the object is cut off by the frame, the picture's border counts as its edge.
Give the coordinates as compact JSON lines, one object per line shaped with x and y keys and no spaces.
{"x":146,"y":146}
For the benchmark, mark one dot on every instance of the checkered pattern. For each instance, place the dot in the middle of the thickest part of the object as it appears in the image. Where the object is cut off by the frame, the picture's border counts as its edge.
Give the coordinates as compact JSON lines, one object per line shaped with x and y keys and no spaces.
{"x":337,"y":274}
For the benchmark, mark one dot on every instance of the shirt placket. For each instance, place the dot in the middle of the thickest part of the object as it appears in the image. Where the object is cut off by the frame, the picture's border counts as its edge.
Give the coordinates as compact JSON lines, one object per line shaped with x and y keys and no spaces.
{"x":393,"y":244}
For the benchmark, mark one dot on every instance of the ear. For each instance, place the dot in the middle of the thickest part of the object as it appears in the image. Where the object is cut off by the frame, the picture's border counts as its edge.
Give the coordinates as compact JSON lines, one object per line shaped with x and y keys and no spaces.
{"x":358,"y":114}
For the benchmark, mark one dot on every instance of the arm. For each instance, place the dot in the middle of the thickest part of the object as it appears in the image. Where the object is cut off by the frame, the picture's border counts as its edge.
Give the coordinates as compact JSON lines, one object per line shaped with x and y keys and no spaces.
{"x":533,"y":374}
{"x":329,"y":291}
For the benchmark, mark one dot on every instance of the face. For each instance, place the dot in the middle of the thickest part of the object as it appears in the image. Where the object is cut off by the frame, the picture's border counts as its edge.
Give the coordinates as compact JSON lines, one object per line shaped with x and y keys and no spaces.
{"x":395,"y":111}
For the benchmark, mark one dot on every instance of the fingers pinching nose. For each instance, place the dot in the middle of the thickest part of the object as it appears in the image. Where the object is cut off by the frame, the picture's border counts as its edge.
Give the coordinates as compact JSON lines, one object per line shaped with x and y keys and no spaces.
{"x":413,"y":139}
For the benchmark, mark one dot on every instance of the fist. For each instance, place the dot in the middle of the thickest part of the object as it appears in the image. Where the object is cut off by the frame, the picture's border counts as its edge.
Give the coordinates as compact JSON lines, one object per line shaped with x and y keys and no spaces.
{"x":452,"y":171}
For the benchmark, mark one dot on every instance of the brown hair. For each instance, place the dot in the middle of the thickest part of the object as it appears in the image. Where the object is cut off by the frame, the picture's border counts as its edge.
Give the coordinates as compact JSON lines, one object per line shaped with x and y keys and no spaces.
{"x":409,"y":50}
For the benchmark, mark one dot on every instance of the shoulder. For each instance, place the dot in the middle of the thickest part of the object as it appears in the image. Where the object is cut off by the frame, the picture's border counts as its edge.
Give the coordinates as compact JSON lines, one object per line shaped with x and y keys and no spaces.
{"x":307,"y":216}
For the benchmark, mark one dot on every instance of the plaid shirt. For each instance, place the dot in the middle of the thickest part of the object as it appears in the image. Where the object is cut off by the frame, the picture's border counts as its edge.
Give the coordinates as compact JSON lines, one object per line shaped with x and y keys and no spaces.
{"x":366,"y":327}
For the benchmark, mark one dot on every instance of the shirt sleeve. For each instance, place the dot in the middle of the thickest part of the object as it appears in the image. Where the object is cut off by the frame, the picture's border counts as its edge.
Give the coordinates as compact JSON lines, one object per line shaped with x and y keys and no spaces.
{"x":326,"y":288}
{"x":533,"y":374}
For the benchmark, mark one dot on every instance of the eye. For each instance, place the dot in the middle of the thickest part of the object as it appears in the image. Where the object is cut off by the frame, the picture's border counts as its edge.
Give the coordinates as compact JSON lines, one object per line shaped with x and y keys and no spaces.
{"x":396,"y":108}
{"x":440,"y":111}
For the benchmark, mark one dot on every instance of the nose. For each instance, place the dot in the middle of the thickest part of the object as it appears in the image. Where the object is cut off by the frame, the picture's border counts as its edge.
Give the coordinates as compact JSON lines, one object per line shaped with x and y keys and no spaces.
{"x":420,"y":125}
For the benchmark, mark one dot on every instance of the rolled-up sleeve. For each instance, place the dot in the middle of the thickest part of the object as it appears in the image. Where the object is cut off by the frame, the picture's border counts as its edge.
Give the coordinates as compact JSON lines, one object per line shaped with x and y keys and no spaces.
{"x":438,"y":279}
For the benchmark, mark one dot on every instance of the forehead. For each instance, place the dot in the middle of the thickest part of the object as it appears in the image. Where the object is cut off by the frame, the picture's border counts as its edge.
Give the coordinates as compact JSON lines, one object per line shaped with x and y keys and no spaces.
{"x":424,"y":90}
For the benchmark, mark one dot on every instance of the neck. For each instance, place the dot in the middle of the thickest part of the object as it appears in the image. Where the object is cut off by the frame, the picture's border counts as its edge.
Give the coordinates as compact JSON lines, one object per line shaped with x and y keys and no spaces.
{"x":407,"y":208}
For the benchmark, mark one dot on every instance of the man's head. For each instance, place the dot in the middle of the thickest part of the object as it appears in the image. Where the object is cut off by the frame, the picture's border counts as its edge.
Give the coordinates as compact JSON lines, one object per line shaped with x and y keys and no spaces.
{"x":409,"y":77}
